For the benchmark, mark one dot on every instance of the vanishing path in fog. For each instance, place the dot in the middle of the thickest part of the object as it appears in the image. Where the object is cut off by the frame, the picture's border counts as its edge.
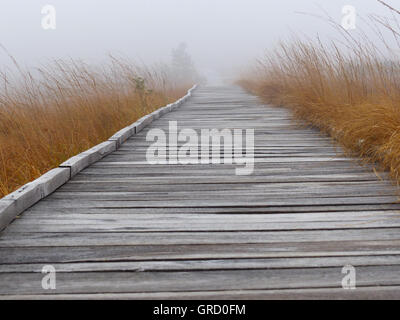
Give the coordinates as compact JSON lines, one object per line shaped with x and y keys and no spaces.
{"x":126,"y":228}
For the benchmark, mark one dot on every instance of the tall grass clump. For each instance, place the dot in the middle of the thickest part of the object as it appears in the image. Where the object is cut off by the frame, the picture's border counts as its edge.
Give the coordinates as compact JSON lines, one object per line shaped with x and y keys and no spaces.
{"x":348,"y":88}
{"x":67,"y":106}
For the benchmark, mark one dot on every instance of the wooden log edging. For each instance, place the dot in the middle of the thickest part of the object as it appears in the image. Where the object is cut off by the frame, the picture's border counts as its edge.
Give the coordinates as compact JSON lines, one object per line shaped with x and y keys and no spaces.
{"x":18,"y":201}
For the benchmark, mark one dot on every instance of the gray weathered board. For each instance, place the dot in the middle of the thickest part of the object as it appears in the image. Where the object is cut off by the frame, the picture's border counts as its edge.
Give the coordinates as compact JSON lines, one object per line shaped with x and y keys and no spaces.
{"x":123,"y":228}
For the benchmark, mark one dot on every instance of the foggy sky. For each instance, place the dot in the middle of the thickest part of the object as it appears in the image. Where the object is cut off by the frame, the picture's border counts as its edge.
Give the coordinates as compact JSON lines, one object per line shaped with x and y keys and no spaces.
{"x":219,"y":33}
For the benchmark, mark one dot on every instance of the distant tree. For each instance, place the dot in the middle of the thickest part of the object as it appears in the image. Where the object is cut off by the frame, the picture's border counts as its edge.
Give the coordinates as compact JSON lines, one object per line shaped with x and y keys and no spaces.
{"x":182,"y":64}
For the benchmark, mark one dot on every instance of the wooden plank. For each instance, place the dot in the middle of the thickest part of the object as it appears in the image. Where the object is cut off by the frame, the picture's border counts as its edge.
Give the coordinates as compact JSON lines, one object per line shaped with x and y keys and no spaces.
{"x":108,"y":253}
{"x":345,"y":216}
{"x":33,"y":238}
{"x":119,"y":282}
{"x":208,"y":264}
{"x":386,"y":292}
{"x":245,"y":223}
{"x":235,"y":202}
{"x":43,"y":208}
{"x":157,"y":185}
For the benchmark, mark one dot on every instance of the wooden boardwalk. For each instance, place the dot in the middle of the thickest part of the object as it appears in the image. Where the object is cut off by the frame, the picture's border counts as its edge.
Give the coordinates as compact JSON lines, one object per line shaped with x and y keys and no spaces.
{"x":123,"y":228}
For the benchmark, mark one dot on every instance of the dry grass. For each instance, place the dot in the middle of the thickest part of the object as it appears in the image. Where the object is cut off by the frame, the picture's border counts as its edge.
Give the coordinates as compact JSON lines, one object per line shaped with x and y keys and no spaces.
{"x":69,"y":106}
{"x":349,"y":89}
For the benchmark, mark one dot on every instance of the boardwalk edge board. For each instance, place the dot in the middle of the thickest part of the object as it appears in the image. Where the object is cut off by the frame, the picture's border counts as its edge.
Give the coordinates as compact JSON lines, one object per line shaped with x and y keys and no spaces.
{"x":18,"y":201}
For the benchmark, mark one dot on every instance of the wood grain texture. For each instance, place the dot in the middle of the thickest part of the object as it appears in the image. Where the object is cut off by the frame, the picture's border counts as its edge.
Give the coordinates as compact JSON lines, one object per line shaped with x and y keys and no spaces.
{"x":125,"y":229}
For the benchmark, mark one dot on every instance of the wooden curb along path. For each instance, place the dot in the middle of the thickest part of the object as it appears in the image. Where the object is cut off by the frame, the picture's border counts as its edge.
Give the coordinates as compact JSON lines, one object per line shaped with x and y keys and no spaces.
{"x":119,"y":227}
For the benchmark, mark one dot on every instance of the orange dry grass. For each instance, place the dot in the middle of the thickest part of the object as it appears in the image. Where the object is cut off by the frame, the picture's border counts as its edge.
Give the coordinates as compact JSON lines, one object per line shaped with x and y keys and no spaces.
{"x":350,"y":92}
{"x":69,"y":107}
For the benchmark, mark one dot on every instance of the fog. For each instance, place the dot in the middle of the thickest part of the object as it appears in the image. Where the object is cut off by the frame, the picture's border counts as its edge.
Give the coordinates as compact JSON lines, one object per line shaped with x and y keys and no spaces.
{"x":220,"y":34}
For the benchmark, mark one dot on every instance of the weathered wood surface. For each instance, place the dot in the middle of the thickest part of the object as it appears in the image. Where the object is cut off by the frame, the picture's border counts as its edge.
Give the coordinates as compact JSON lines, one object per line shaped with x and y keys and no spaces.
{"x":125,"y":229}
